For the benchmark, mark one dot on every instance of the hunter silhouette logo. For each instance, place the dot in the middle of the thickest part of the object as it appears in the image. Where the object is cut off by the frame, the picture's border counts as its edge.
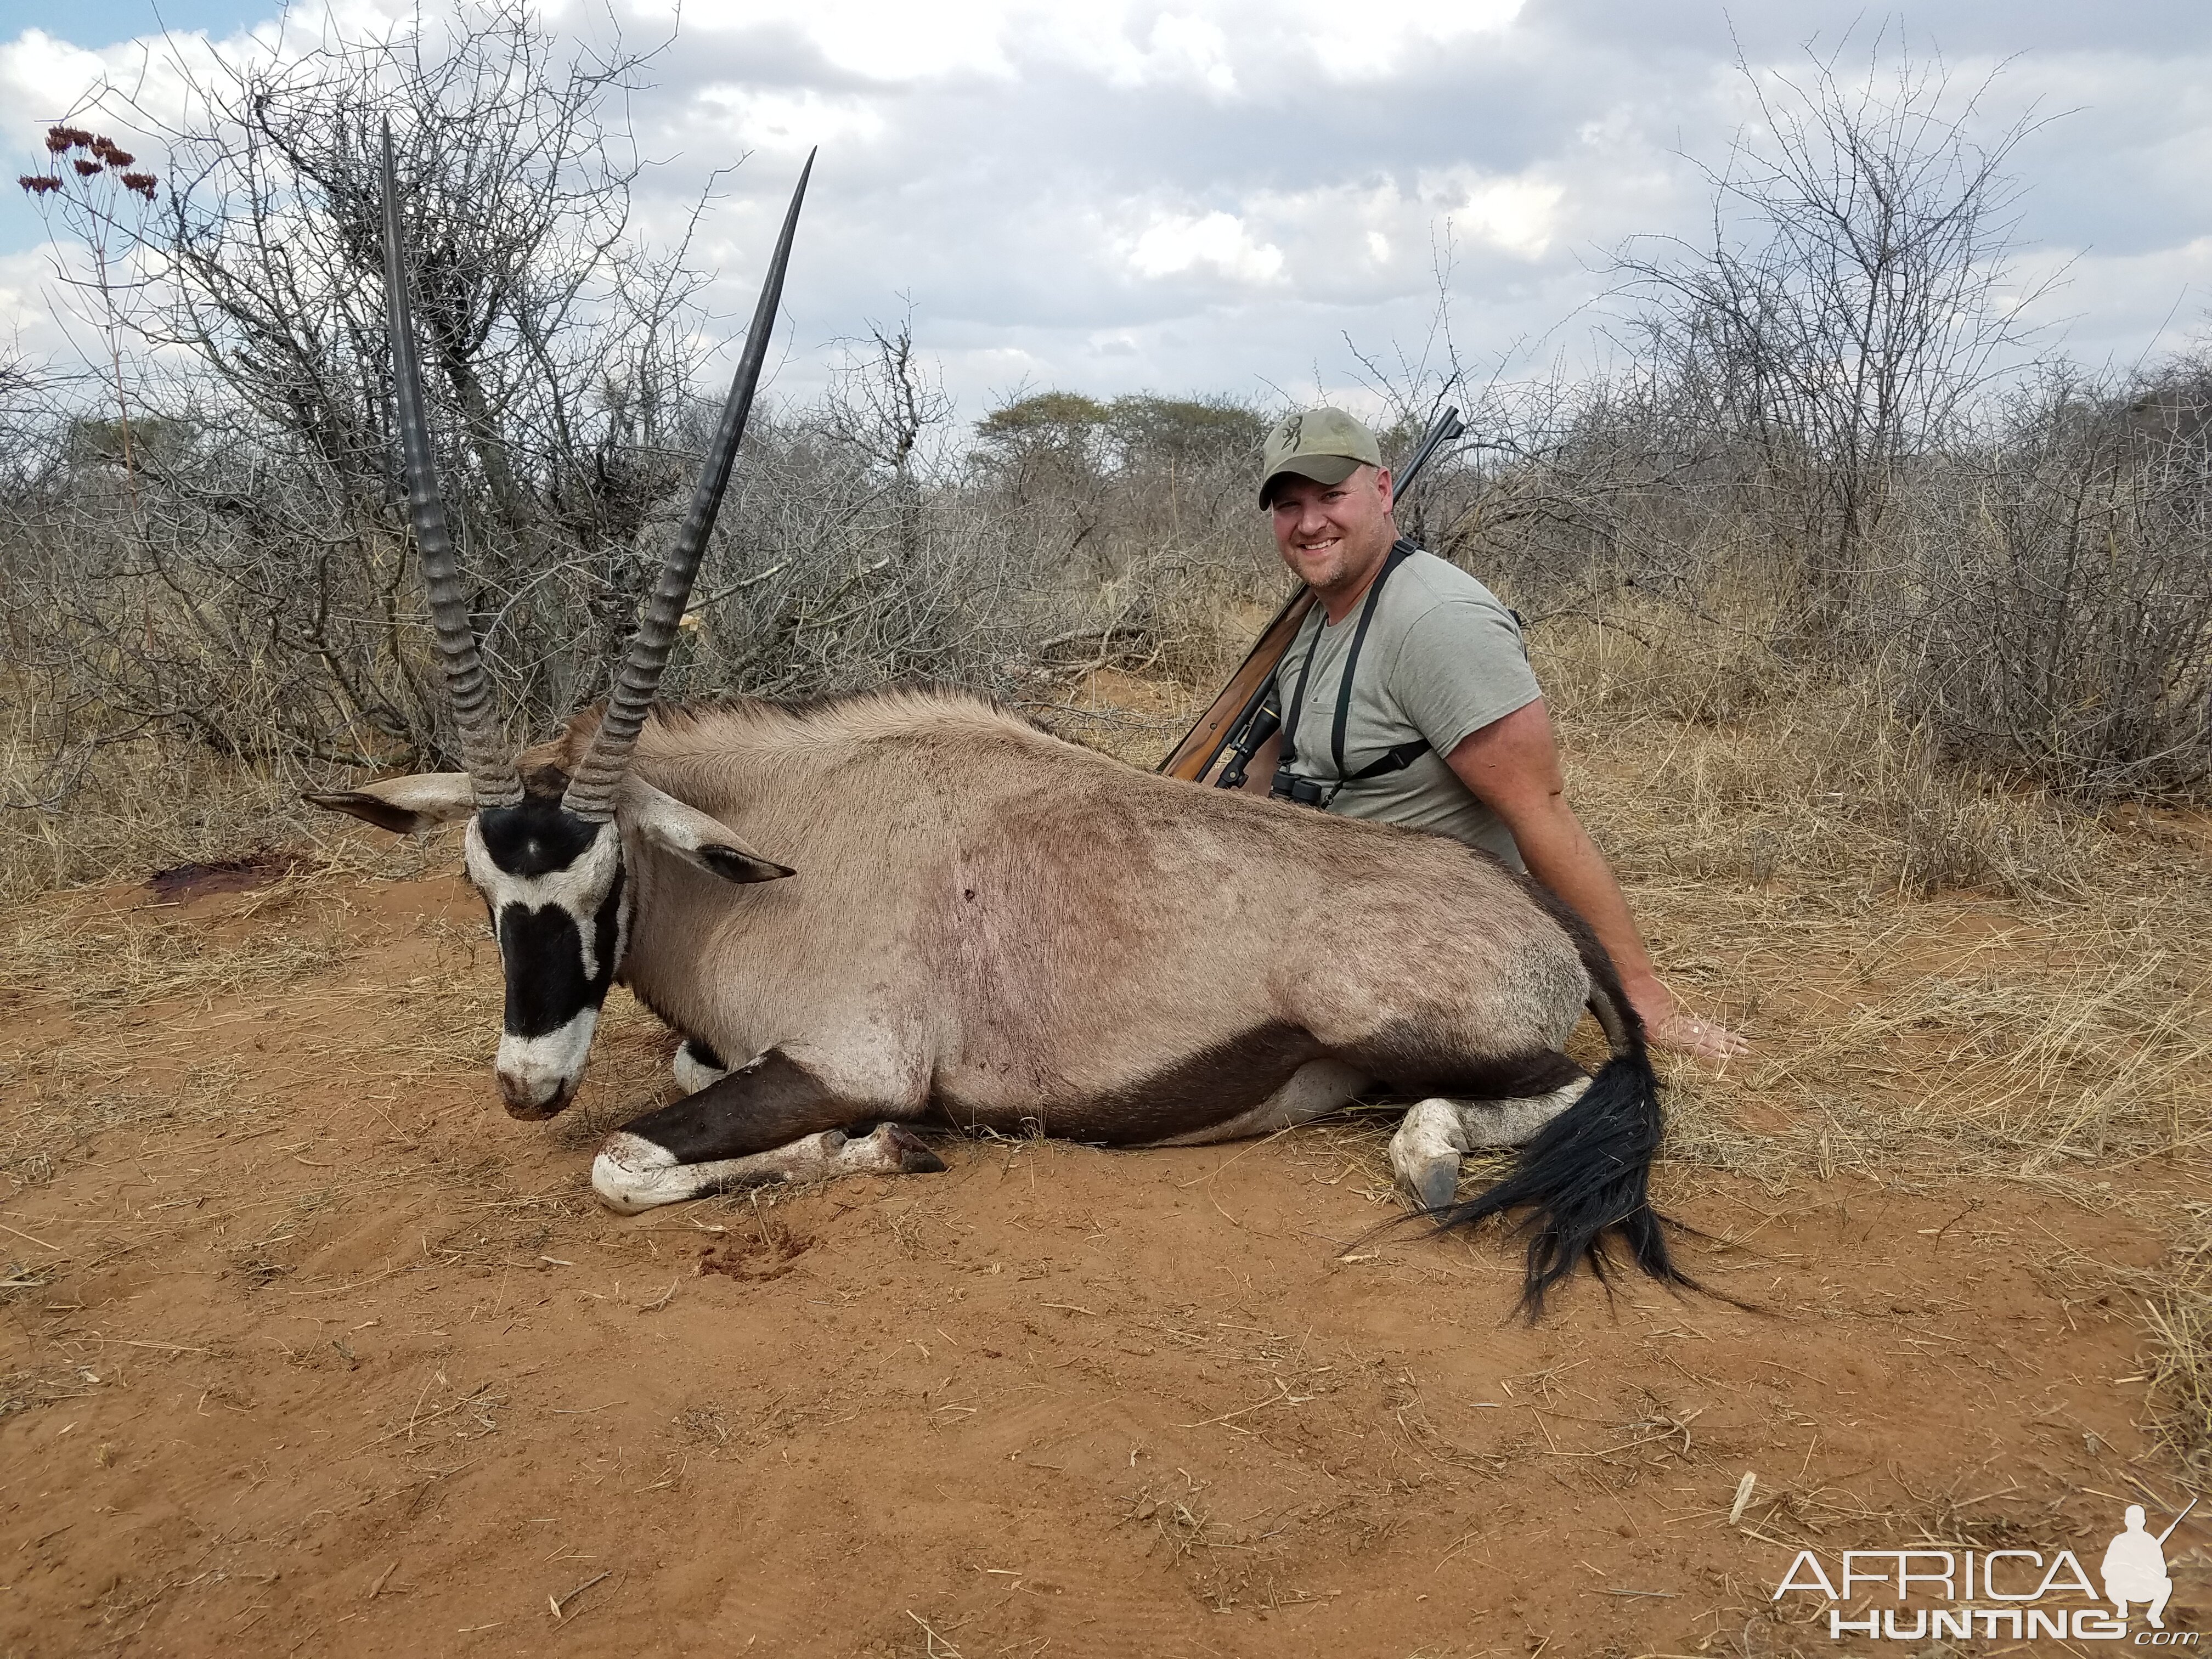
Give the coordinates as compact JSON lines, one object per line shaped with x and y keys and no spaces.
{"x":2134,"y":1568}
{"x":2029,"y":1593}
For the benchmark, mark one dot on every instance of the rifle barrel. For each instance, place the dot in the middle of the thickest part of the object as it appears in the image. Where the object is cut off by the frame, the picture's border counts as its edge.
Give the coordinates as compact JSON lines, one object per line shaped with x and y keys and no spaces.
{"x":1447,"y":427}
{"x":2178,"y":1520}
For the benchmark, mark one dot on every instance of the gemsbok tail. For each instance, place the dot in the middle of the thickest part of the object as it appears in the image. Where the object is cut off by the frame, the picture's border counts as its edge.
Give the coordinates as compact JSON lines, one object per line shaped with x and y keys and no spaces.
{"x":1583,"y":1183}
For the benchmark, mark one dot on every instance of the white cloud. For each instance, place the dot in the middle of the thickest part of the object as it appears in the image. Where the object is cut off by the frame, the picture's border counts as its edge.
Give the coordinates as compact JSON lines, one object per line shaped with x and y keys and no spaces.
{"x":1193,"y":47}
{"x":27,"y":324}
{"x":1179,"y":242}
{"x":881,"y":40}
{"x":1370,"y":40}
{"x":40,"y":75}
{"x":781,"y":122}
{"x":1518,"y":215}
{"x":1211,"y":194}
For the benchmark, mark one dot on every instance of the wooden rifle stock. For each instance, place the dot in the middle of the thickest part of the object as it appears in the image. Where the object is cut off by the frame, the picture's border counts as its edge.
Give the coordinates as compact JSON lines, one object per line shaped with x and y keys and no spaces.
{"x":1194,"y":758}
{"x":1236,"y":702}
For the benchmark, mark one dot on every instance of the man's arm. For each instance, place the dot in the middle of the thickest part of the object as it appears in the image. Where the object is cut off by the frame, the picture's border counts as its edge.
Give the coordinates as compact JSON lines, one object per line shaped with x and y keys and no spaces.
{"x":1512,"y":765}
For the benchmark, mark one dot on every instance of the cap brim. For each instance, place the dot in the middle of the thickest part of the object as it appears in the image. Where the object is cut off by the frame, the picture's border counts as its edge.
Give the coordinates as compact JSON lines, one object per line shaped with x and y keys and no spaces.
{"x":1322,"y":469}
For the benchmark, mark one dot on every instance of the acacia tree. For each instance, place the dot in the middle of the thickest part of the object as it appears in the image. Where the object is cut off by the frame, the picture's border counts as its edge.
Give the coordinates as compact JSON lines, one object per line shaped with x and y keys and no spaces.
{"x":556,"y":352}
{"x":885,"y":402}
{"x":1852,"y":299}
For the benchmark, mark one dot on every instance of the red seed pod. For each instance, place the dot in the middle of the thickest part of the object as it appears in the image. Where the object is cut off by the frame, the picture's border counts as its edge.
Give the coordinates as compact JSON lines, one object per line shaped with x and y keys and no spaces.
{"x":86,"y":169}
{"x":141,"y":182}
{"x":57,"y":141}
{"x":118,"y":158}
{"x":38,"y":182}
{"x":76,"y":137}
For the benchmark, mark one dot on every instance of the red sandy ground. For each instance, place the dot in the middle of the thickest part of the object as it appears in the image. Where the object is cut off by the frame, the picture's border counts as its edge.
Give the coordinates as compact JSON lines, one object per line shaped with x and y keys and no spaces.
{"x":364,"y":1370}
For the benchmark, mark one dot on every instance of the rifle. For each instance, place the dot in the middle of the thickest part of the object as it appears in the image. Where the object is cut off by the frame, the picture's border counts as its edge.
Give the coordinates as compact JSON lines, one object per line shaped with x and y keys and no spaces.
{"x":2178,"y":1520}
{"x":1238,"y":719}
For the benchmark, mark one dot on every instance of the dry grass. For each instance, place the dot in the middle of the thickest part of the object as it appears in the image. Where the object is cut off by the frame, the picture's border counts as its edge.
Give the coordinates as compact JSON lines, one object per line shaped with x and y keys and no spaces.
{"x":64,"y":1100}
{"x":90,"y":960}
{"x":2177,"y":1301}
{"x":1943,"y":977}
{"x":132,"y":808}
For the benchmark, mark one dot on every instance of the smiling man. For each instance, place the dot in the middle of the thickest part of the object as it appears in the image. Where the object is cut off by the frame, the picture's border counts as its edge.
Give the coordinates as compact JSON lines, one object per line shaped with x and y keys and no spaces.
{"x":1407,"y":698}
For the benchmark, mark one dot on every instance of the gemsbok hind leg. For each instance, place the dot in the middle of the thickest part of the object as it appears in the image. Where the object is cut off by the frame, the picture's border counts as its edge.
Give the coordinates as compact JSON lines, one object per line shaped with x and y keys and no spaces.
{"x":1438,"y":1133}
{"x":775,"y":1118}
{"x":1316,"y":1089}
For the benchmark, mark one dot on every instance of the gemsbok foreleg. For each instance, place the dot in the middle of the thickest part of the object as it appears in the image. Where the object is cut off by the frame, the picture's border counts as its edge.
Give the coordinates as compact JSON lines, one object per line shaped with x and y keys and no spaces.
{"x":777,"y":1118}
{"x":698,"y":1065}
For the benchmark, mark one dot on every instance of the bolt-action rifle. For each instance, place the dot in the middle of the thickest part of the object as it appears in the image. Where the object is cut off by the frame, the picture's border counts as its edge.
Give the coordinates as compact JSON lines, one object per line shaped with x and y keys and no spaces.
{"x":1242,"y":717}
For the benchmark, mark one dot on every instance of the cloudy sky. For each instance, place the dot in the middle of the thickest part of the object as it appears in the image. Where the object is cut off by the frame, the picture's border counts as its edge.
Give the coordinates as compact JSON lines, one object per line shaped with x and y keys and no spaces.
{"x":1212,"y":195}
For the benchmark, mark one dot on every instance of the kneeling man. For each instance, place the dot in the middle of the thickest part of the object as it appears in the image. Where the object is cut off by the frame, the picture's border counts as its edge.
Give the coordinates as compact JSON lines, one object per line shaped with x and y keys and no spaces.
{"x":1407,"y":698}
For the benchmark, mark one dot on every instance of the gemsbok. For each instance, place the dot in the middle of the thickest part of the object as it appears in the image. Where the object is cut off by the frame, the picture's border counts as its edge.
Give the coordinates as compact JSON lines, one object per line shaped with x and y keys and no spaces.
{"x":917,"y":907}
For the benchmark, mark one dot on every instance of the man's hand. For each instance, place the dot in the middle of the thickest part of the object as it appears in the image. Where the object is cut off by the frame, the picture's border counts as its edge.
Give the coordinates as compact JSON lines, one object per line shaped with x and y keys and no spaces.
{"x":1512,"y":765}
{"x":1679,"y":1029}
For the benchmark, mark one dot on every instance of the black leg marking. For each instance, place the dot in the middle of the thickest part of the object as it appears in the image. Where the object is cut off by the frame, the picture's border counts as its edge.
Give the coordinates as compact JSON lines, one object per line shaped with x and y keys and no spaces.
{"x":767,"y":1102}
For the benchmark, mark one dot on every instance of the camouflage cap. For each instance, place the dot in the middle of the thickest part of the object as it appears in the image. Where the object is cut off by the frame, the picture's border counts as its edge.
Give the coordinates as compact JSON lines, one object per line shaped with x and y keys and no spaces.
{"x":1325,"y":445}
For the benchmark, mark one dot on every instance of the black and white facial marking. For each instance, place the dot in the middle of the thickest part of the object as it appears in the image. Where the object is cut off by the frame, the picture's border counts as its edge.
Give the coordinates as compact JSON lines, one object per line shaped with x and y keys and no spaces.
{"x":553,"y":886}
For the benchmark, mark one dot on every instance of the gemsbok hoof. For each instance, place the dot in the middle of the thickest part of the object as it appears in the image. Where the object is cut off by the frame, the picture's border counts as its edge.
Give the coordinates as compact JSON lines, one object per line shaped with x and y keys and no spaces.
{"x":912,"y":1153}
{"x":1425,"y":1153}
{"x":632,"y":1174}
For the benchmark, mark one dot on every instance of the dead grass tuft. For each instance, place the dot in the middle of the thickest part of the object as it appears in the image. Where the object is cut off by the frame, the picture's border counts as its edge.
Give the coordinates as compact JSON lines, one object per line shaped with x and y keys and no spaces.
{"x":132,"y":808}
{"x":61,"y":1100}
{"x":2178,"y":1309}
{"x":123,"y":812}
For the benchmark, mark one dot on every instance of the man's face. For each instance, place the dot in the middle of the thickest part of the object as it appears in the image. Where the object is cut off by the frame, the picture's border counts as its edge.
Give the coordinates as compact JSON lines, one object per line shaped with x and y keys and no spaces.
{"x":1333,"y":536}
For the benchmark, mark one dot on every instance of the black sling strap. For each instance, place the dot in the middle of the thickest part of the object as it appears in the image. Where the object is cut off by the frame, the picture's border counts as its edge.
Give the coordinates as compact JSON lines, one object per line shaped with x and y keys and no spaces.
{"x":1392,"y":760}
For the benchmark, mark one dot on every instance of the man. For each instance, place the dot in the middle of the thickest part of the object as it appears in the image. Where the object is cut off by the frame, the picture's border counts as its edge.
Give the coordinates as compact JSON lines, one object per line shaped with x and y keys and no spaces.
{"x":1439,"y":725}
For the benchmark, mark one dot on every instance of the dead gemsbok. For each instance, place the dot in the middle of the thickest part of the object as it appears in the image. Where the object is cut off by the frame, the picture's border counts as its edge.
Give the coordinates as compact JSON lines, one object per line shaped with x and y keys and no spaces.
{"x":991,"y":928}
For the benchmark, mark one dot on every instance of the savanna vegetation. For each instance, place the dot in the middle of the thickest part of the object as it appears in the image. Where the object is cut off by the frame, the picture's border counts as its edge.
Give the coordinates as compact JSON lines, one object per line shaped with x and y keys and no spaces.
{"x":1881,"y":635}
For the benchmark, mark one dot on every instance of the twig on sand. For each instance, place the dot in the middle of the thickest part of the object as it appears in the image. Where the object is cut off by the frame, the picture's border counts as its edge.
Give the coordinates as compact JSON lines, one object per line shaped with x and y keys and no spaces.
{"x":40,"y":1242}
{"x":931,"y":1638}
{"x":1743,"y":1490}
{"x":557,"y":1602}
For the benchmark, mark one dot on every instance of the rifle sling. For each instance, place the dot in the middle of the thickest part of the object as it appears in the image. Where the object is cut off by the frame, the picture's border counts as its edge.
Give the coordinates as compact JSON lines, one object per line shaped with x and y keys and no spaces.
{"x":1396,"y":759}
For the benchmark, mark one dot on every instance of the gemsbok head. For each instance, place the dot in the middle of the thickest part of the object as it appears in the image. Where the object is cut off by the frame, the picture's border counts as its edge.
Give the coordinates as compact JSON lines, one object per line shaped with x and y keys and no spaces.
{"x":550,"y":865}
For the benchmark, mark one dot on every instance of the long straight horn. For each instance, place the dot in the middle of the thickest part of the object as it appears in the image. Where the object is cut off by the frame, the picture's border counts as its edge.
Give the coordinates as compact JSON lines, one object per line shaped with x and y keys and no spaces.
{"x":591,"y":791}
{"x":491,"y":768}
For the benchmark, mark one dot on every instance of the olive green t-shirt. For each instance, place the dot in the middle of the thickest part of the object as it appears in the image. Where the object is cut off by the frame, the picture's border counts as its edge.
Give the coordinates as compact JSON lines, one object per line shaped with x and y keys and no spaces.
{"x":1442,"y":657}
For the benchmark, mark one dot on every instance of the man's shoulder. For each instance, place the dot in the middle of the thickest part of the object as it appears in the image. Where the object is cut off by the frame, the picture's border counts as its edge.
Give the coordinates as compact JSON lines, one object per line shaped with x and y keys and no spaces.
{"x":1425,"y":584}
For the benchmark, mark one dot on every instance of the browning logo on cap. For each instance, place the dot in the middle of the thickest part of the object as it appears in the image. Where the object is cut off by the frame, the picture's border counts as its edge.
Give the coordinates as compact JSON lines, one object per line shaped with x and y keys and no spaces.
{"x":1325,"y":445}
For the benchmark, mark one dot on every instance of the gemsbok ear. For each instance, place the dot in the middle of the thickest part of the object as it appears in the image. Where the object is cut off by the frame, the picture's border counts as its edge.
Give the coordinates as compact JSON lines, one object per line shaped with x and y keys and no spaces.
{"x":403,"y":806}
{"x":692,"y":835}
